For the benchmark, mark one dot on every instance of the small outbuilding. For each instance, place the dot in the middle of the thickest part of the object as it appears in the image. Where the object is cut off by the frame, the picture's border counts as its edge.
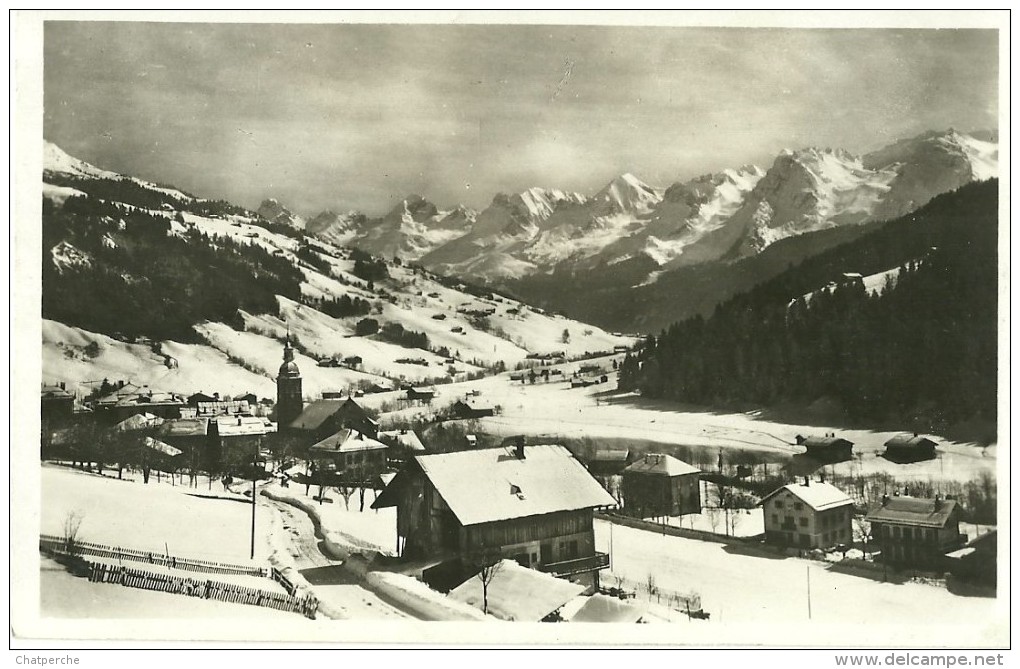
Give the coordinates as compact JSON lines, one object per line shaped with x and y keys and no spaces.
{"x":910,"y":448}
{"x":829,"y":448}
{"x":661,"y":485}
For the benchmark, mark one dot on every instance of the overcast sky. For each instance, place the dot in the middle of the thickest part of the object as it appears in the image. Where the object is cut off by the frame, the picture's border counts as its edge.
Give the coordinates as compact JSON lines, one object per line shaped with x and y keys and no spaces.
{"x":358,"y":116}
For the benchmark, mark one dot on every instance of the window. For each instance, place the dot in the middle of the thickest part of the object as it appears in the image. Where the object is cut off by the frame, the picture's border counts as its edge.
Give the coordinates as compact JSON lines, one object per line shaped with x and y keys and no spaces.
{"x":797,"y":506}
{"x":775,"y":518}
{"x":803,"y":522}
{"x":779,"y":504}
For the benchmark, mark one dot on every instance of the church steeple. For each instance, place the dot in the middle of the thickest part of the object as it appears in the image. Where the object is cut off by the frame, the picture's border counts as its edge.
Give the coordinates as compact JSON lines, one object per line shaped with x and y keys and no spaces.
{"x":289,"y":402}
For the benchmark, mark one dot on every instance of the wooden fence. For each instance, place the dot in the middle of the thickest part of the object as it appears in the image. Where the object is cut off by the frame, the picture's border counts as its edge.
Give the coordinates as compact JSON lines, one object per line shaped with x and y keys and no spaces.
{"x":87,"y":548}
{"x":101,"y":572}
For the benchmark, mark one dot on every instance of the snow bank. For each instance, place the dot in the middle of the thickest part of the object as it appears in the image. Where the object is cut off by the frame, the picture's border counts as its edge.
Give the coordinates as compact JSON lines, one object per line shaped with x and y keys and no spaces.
{"x":413,"y":595}
{"x":338,"y":545}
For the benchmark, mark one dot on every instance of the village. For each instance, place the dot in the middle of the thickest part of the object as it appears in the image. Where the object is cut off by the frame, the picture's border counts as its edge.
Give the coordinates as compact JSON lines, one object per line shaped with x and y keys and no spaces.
{"x":516,"y":496}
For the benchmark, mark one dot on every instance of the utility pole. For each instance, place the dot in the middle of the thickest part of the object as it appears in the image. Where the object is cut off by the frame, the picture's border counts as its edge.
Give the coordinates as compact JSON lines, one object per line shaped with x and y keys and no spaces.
{"x":254,"y":465}
{"x":808,"y":569}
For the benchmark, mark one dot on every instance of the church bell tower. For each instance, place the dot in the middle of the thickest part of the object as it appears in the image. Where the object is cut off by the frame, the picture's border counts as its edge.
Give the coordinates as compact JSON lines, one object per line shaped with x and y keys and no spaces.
{"x":289,"y":403}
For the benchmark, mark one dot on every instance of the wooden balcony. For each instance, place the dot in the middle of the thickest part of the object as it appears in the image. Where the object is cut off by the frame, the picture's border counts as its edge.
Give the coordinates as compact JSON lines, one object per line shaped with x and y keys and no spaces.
{"x":577,"y":566}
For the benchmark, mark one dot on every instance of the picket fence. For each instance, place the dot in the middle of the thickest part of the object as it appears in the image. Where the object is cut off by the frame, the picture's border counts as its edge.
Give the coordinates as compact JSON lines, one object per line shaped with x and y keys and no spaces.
{"x":83,"y":548}
{"x":101,"y":572}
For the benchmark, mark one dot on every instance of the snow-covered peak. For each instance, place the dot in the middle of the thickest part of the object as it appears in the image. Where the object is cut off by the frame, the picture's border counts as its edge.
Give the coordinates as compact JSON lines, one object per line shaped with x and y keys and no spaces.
{"x":273,"y":211}
{"x":539,"y":203}
{"x":627,"y":193}
{"x":56,"y":159}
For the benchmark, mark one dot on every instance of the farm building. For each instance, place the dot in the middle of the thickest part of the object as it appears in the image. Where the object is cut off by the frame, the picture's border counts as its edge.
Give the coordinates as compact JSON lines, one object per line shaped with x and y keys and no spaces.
{"x":351,"y":452}
{"x":829,"y":448}
{"x":661,"y":485}
{"x":531,"y":504}
{"x":402,"y":443}
{"x":909,"y":448}
{"x":471,"y":408}
{"x":976,"y":561}
{"x":238,"y":439}
{"x":130,"y":399}
{"x":195,"y":398}
{"x":56,"y":406}
{"x":916,"y":531}
{"x":608,"y":461}
{"x":325,"y":417}
{"x":808,"y":515}
{"x":422,"y":394}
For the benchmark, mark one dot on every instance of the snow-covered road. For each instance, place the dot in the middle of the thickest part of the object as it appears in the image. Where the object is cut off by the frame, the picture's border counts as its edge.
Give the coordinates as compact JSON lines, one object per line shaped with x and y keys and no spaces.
{"x":332,"y":584}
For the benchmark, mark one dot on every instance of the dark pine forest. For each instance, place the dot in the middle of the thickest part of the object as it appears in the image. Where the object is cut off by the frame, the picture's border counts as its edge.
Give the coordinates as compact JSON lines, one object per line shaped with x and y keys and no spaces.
{"x":922,"y":351}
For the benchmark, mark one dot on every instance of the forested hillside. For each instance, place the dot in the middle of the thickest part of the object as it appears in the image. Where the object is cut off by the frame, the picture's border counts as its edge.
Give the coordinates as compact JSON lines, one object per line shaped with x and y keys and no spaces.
{"x":123,"y":273}
{"x":920,"y":349}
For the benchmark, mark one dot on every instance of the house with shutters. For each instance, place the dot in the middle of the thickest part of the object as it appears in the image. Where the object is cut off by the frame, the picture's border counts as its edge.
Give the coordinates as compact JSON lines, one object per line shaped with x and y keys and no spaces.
{"x":660,"y":485}
{"x":915,"y":531}
{"x":807,"y":515}
{"x":531,"y":504}
{"x":326,"y":417}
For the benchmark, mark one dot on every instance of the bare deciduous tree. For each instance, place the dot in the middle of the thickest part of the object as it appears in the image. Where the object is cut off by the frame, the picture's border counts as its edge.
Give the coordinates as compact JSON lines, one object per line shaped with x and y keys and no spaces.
{"x":489,"y":566}
{"x":72,"y":524}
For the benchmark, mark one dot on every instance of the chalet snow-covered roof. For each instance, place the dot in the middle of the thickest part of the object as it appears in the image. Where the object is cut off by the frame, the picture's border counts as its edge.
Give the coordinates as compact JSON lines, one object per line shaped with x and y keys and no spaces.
{"x":659,"y":464}
{"x":825,"y":442}
{"x":139,"y":421}
{"x":162,"y":447}
{"x":316,"y":413}
{"x":601,"y":608}
{"x":346,"y":441}
{"x":480,"y":486}
{"x":475,"y":404}
{"x":131,"y":394}
{"x":54,"y":392}
{"x":910,"y":441}
{"x":819,"y":496}
{"x":406,"y":438}
{"x":185,"y":427}
{"x":518,"y":593}
{"x":917,"y":511}
{"x":235,"y":426}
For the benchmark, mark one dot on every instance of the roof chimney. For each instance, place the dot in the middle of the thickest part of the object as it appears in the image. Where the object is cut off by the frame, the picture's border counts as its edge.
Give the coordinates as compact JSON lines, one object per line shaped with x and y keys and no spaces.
{"x":800,"y":439}
{"x":807,"y":481}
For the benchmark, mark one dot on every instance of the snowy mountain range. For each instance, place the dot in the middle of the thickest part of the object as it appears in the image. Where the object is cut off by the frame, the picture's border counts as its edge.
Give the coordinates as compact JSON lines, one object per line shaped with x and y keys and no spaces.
{"x":724,"y":216}
{"x":216,"y":288}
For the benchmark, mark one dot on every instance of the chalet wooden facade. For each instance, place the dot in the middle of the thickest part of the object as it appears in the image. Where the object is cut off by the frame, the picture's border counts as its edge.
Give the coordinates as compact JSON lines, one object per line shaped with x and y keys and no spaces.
{"x":532,"y":504}
{"x":350,"y":454}
{"x":909,"y":448}
{"x":808,"y":515}
{"x":916,"y":532}
{"x":471,"y":408}
{"x":660,"y":485}
{"x":323,"y":418}
{"x":829,"y":448}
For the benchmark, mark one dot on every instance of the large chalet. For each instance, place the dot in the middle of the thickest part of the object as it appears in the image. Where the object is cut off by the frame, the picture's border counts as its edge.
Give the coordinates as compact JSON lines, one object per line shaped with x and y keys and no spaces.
{"x":532,"y":504}
{"x":915,"y":531}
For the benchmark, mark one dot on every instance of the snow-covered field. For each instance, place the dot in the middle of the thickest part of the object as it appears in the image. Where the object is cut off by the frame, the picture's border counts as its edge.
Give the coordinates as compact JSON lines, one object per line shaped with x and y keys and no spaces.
{"x":550,"y":411}
{"x":160,"y":518}
{"x":62,"y":595}
{"x":739,"y":587}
